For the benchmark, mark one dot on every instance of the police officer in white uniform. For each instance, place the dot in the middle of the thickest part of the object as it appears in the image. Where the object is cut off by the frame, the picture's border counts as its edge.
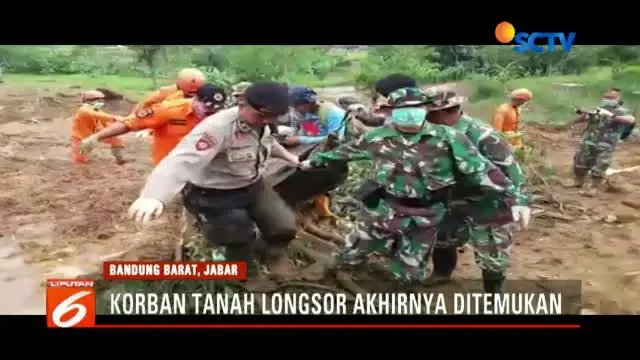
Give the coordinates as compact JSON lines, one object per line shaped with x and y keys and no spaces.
{"x":219,"y":168}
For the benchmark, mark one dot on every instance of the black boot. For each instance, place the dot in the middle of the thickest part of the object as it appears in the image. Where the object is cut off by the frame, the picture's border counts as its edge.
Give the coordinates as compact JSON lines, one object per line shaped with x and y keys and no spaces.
{"x":243,"y":253}
{"x":492,"y":281}
{"x":444,"y":263}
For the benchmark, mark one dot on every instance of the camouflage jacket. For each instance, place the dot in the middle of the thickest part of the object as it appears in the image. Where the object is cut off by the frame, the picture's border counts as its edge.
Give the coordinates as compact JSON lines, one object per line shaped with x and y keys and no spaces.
{"x":421,"y":165}
{"x":600,"y":128}
{"x":492,"y":145}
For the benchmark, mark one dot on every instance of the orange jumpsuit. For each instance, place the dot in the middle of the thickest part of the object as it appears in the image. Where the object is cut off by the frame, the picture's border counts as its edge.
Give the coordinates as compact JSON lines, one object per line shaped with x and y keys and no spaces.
{"x":86,"y":122}
{"x":507,"y":119}
{"x":170,"y":122}
{"x":170,"y":92}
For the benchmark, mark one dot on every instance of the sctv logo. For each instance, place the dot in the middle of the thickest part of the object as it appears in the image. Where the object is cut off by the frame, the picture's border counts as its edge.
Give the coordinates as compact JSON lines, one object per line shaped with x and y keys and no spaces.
{"x":505,"y":33}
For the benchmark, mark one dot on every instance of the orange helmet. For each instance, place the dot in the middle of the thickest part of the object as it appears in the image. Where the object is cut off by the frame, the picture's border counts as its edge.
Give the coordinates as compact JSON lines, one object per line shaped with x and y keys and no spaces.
{"x":190,"y":80}
{"x":522,"y":94}
{"x":91,"y":95}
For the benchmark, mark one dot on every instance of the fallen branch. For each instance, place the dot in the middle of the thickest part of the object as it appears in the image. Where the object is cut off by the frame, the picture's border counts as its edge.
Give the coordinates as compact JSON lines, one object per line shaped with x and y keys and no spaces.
{"x":555,"y":216}
{"x":346,"y":282}
{"x":314,"y":272}
{"x":320,"y":243}
{"x":308,"y":252}
{"x":310,"y":227}
{"x":547,"y":187}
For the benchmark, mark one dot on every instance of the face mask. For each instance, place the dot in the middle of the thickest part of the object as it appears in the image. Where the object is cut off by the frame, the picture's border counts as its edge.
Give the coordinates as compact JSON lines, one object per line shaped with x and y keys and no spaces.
{"x":408,"y":117}
{"x":97,"y":105}
{"x":609,"y":103}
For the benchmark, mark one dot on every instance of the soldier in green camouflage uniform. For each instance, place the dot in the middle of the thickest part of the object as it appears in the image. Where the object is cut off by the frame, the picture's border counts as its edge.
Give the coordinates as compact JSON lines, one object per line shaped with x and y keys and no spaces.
{"x":474,"y":218}
{"x":604,"y":128}
{"x":362,"y":119}
{"x":416,"y":165}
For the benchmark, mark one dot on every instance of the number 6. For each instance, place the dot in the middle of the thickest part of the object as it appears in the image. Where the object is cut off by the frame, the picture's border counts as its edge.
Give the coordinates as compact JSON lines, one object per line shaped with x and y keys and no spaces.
{"x":67,"y":305}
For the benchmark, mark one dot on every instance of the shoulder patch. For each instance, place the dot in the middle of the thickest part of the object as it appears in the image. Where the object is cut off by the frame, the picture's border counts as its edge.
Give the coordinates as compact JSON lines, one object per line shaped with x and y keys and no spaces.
{"x":144,"y":113}
{"x":205,"y":142}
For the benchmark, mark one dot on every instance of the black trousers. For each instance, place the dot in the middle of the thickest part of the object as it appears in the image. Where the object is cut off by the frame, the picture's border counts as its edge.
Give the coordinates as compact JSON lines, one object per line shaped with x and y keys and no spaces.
{"x":226,"y":218}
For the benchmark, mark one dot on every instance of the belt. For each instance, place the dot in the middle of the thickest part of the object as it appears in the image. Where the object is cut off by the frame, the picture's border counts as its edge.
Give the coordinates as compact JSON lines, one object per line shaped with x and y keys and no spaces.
{"x":413,"y":202}
{"x":189,"y":187}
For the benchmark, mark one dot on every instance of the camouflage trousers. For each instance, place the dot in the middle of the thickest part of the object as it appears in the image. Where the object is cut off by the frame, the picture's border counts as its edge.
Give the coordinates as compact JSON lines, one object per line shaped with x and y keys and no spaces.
{"x":491,"y":244}
{"x":593,"y":157}
{"x":403,"y":241}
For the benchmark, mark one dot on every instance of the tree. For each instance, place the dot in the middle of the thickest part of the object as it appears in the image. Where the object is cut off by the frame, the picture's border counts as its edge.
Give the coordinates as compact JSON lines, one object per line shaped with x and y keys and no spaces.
{"x":148,"y":55}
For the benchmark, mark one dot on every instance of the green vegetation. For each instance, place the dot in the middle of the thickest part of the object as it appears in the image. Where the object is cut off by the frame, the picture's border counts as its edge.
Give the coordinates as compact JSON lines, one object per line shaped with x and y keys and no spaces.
{"x":314,"y":65}
{"x":491,"y":71}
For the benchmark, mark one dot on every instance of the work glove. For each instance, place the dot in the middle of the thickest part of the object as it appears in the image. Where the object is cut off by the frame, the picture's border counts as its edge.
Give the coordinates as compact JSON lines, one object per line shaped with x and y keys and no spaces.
{"x":143,"y":134}
{"x":521,"y":215}
{"x":356,"y":108}
{"x":86,"y":145}
{"x":145,"y":209}
{"x":605,"y":112}
{"x":305,"y":165}
{"x":286,"y":130}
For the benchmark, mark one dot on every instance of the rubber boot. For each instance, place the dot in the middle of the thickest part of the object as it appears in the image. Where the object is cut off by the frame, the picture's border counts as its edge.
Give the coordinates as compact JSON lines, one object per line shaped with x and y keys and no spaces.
{"x":593,"y":188}
{"x":243,"y":253}
{"x":492,"y":281}
{"x":444,"y":263}
{"x":117,"y":154}
{"x":577,"y":182}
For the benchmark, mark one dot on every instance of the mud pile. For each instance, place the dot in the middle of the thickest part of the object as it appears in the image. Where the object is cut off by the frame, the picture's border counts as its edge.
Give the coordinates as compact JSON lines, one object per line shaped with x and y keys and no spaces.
{"x":45,"y":104}
{"x":61,"y":215}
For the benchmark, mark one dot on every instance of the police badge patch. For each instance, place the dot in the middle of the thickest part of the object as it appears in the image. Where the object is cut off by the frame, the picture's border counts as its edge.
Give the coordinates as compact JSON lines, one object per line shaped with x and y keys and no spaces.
{"x":144,"y":113}
{"x":205,"y":142}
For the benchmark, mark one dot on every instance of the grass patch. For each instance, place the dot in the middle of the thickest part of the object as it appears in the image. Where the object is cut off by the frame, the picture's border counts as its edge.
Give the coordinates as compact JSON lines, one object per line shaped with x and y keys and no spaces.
{"x":554,"y":102}
{"x":139,"y":86}
{"x":130,"y":86}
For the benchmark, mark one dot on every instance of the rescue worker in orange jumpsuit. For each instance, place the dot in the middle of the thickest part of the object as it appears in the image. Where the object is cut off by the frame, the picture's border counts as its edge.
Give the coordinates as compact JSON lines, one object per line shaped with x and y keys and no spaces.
{"x":87,"y":121}
{"x":189,"y":81}
{"x":170,"y":121}
{"x":506,"y":119}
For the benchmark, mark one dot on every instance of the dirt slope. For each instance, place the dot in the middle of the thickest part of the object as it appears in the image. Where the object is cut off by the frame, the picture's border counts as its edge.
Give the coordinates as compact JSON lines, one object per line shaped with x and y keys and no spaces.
{"x":63,"y":220}
{"x":60,"y":219}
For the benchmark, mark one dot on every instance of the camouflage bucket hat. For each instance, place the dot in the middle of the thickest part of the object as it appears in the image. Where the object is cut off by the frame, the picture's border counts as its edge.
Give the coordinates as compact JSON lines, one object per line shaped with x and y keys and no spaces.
{"x":440,"y":99}
{"x":406,"y":97}
{"x":240,"y":88}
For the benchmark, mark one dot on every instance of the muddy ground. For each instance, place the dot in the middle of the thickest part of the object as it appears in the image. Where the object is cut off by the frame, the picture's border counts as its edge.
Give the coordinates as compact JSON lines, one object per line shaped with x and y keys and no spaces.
{"x":63,"y":220}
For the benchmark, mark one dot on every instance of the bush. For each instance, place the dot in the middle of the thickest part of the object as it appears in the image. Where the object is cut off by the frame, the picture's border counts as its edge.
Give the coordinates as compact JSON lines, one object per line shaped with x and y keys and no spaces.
{"x":486,"y":87}
{"x":320,"y":65}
